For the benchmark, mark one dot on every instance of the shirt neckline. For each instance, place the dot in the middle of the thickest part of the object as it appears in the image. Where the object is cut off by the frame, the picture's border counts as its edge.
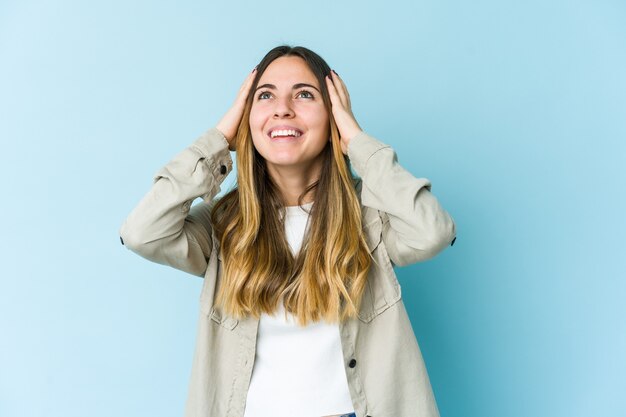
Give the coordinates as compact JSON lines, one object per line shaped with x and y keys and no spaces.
{"x":298,"y":210}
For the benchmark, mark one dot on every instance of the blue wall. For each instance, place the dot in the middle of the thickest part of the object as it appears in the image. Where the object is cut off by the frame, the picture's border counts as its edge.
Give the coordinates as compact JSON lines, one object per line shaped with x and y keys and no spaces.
{"x":516,"y":111}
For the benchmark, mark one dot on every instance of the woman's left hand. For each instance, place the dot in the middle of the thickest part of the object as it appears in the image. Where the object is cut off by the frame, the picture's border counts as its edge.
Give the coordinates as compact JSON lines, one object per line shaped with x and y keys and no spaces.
{"x":342,"y":111}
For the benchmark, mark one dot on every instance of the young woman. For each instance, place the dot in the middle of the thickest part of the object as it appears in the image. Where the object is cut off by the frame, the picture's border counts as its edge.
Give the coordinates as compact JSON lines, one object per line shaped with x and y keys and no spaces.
{"x":301,"y":312}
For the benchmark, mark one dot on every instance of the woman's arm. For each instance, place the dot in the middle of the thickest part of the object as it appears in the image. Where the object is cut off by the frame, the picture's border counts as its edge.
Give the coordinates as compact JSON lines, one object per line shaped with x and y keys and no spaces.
{"x":415,"y":226}
{"x":163,"y":227}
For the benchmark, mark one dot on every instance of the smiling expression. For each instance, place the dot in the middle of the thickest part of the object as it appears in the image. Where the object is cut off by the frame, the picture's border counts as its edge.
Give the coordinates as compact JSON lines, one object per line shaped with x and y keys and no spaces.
{"x":289,"y":123}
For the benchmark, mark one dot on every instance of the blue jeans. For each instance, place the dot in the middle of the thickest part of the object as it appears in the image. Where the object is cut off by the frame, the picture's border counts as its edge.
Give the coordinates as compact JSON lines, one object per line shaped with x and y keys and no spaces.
{"x":349,"y":415}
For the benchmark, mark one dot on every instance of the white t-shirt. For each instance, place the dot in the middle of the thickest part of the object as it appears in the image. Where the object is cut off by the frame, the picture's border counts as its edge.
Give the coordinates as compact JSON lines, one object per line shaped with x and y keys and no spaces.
{"x":298,"y":371}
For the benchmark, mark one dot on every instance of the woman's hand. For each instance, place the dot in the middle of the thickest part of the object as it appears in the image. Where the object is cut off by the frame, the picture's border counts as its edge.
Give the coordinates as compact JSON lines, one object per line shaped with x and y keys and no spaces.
{"x":342,"y":111}
{"x":230,"y":122}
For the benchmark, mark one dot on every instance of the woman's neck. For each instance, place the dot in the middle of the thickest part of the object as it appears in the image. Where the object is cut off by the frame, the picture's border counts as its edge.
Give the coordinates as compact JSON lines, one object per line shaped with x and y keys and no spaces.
{"x":292,"y":181}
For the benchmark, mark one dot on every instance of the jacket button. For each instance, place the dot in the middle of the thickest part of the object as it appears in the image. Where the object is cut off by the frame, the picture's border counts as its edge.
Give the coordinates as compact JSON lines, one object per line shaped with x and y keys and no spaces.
{"x":453,"y":240}
{"x":223,"y":169}
{"x":352,"y":363}
{"x":121,"y":240}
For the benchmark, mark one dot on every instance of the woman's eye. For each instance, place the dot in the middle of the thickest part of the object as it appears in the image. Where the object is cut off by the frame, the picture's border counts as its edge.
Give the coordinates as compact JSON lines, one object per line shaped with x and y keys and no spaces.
{"x":307,"y":94}
{"x":263,"y":94}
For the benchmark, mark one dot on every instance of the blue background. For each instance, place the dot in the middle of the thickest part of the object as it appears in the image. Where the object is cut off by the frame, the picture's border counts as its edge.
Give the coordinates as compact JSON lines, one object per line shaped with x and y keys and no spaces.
{"x":516,"y":111}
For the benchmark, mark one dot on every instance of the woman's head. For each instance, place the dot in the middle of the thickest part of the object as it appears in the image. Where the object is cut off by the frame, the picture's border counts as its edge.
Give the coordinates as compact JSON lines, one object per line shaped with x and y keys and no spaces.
{"x":288,"y":91}
{"x":289,"y":121}
{"x":327,"y":277}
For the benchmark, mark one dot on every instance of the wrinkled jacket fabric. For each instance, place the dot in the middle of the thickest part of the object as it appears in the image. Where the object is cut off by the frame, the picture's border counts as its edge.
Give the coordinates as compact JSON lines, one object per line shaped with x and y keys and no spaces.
{"x":403,"y":223}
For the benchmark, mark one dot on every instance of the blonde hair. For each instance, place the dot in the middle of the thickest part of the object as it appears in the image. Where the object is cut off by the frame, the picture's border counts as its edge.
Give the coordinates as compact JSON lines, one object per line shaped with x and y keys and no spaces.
{"x":327,"y":278}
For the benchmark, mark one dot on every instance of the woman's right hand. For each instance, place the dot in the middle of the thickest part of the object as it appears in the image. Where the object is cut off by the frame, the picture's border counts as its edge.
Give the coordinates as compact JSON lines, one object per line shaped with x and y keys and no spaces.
{"x":230,"y":122}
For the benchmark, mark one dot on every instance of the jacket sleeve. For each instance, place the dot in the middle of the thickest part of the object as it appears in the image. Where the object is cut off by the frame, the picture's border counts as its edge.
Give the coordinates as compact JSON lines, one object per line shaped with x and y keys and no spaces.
{"x":163,"y":227}
{"x":415,"y":226}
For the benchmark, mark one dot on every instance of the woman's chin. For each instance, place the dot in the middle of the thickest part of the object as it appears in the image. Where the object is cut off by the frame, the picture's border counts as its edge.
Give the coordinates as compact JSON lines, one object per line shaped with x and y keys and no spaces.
{"x":283,"y":162}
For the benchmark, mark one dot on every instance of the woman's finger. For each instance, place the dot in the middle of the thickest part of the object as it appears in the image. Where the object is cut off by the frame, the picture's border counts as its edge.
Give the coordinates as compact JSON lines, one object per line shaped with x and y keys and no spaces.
{"x":335,"y":100}
{"x":341,"y":89}
{"x":338,"y":88}
{"x":245,"y":87}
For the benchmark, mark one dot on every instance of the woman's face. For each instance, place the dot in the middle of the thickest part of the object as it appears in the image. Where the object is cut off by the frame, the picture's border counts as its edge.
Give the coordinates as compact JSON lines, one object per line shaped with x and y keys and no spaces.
{"x":288,"y":121}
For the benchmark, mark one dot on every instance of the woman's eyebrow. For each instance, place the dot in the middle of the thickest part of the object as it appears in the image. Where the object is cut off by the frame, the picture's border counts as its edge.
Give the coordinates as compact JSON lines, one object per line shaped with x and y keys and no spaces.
{"x":295,"y":86}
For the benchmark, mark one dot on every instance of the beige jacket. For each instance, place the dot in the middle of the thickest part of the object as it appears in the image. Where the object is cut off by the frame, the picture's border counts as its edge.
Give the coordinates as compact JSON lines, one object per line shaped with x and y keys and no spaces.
{"x":403,"y":224}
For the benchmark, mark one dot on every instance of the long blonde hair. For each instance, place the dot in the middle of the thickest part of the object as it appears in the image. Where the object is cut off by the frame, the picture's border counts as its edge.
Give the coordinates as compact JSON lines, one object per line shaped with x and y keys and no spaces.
{"x":327,"y":278}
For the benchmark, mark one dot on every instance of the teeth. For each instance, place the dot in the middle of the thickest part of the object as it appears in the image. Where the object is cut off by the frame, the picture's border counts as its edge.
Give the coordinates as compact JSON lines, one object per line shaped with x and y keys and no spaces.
{"x":289,"y":132}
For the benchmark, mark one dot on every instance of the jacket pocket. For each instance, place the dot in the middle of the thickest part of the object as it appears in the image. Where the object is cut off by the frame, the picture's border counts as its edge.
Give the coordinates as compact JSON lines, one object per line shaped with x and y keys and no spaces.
{"x":212,"y":280}
{"x":382,"y":289}
{"x":223,"y":320}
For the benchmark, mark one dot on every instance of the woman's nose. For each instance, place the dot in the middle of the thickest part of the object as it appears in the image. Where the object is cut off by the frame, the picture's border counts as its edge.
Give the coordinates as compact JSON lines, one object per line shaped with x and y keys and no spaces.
{"x":283,"y":107}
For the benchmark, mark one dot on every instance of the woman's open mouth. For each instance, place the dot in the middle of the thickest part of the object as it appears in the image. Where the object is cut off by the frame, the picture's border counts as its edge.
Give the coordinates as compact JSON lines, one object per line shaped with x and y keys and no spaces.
{"x":285,"y":135}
